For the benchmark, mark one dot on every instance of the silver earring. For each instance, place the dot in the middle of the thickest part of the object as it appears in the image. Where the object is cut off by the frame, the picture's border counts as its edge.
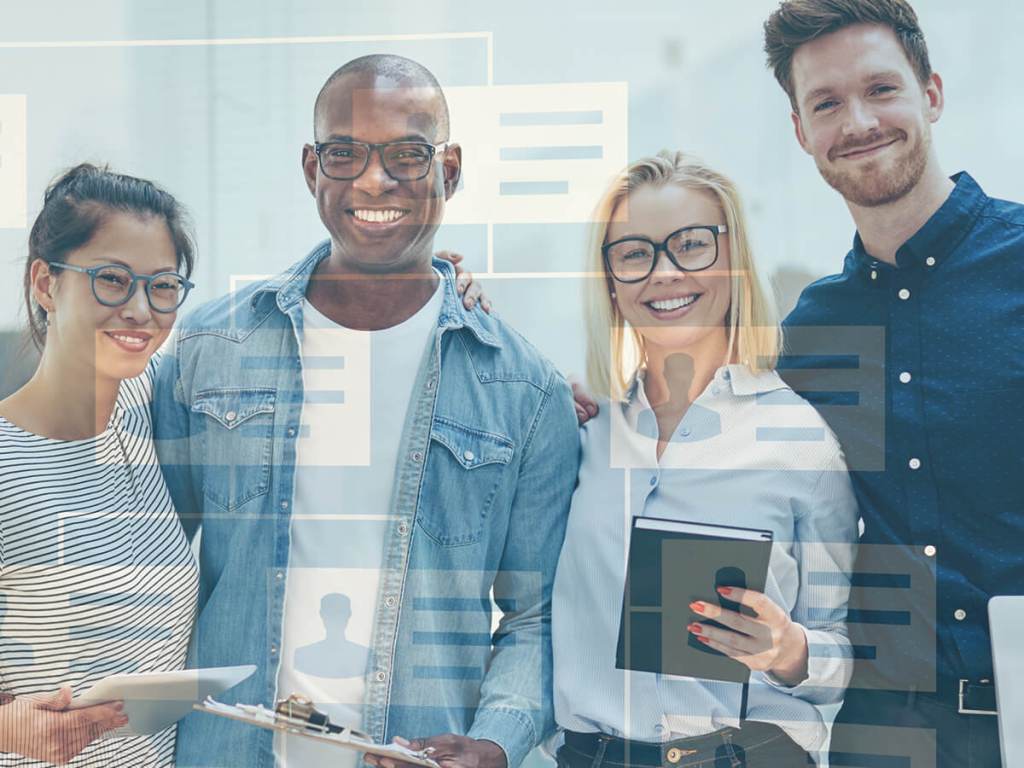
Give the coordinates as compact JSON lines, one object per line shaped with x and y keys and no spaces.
{"x":613,"y":294}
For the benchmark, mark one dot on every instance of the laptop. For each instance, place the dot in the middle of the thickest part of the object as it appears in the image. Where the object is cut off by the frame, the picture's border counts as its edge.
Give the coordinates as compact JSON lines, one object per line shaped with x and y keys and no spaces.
{"x":1006,"y":625}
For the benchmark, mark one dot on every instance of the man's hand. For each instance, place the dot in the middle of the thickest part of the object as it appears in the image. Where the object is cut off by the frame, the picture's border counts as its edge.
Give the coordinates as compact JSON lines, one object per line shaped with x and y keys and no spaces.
{"x":586,"y":406}
{"x":43,"y":728}
{"x":449,"y":751}
{"x":472,"y":292}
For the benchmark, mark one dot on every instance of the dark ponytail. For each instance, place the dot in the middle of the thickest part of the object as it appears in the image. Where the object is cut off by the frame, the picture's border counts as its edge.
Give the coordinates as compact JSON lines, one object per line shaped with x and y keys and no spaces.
{"x":75,"y":205}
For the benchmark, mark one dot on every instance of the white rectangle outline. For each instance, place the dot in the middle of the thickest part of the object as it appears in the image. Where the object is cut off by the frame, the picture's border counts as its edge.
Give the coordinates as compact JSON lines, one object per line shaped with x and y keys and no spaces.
{"x":487,"y":37}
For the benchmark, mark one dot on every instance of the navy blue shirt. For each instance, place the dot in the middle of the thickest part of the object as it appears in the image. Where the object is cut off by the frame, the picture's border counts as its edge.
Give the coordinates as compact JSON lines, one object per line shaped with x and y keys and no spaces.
{"x":919,"y":369}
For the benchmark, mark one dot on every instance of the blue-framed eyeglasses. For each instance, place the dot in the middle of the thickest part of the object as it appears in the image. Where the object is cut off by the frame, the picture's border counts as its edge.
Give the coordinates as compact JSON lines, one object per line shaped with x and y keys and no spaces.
{"x":114,"y":284}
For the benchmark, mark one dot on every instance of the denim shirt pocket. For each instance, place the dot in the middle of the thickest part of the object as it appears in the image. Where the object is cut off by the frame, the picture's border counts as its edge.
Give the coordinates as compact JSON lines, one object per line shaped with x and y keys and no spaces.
{"x":465,"y":470}
{"x":238,"y":432}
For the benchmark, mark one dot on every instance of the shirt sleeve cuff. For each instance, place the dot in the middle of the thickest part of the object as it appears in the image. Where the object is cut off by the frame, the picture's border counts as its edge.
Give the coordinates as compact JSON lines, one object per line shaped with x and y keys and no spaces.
{"x":828,"y":669}
{"x":510,"y":729}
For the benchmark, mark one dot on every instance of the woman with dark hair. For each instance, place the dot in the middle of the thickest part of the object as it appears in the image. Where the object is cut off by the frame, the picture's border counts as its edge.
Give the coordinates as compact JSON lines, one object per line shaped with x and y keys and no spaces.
{"x":96,"y":576}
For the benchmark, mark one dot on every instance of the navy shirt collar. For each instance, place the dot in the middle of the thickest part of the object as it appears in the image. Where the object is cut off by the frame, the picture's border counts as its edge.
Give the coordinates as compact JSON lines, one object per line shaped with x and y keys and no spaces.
{"x":941,"y":234}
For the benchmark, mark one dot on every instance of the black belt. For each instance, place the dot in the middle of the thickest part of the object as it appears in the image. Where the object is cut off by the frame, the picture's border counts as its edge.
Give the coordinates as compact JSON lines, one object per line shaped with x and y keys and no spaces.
{"x":598,"y":748}
{"x":976,"y":698}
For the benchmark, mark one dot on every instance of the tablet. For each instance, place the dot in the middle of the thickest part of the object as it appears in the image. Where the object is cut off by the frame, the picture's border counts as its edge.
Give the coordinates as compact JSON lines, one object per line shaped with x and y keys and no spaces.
{"x":156,"y":700}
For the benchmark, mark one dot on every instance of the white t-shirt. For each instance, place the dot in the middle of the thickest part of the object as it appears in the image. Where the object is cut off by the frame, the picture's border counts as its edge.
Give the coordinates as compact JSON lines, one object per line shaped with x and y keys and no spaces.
{"x":357,"y":388}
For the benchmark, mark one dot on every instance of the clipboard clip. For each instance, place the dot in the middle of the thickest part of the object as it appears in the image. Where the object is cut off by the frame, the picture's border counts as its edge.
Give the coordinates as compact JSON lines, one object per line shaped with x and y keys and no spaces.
{"x":299,"y":709}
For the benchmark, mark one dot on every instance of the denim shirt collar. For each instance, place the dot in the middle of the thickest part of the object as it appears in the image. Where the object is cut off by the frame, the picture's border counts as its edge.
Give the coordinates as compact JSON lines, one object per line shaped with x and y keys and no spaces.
{"x":940,"y":235}
{"x":289,"y":289}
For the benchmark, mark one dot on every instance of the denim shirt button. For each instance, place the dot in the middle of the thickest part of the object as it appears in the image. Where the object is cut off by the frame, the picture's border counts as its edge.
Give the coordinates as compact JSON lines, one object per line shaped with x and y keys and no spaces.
{"x":284,"y":504}
{"x":381,"y":676}
{"x":430,"y":384}
{"x":390,"y":601}
{"x":417,"y":456}
{"x":230,"y":416}
{"x":273,"y":650}
{"x":291,"y":431}
{"x":468,"y":455}
{"x":403,"y":528}
{"x":279,"y":575}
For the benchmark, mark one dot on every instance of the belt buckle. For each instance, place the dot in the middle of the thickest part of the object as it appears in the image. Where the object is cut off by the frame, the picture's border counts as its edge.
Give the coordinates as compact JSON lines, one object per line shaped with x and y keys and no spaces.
{"x":961,"y":710}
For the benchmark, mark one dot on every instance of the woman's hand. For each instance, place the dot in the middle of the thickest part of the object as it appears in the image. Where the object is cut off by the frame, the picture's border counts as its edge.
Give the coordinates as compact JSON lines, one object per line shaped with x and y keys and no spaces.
{"x":472,"y":292}
{"x":770,"y":641}
{"x":43,"y":728}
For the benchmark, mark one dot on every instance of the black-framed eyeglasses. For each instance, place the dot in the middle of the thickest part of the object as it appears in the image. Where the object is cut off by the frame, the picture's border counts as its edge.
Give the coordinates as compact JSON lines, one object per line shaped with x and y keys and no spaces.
{"x":114,"y":284}
{"x":690,"y":249}
{"x":402,"y":160}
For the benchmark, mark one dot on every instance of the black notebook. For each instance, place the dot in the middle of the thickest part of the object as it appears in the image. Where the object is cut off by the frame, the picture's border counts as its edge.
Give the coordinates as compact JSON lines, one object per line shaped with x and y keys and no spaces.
{"x":672,"y":563}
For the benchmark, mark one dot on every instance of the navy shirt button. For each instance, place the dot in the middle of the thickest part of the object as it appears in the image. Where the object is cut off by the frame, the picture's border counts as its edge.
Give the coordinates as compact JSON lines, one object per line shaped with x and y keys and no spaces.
{"x":905,"y":377}
{"x":904,"y":294}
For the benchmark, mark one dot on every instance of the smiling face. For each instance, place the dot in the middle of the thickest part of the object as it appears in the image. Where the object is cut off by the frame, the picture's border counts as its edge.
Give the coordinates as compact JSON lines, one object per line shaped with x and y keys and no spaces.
{"x":115,"y":341}
{"x":674,"y":310}
{"x":378,"y":224}
{"x":863,"y":114}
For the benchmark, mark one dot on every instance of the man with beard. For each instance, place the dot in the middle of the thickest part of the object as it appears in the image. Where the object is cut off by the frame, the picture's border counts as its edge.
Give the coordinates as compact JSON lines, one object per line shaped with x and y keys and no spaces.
{"x":914,"y":356}
{"x":349,"y":434}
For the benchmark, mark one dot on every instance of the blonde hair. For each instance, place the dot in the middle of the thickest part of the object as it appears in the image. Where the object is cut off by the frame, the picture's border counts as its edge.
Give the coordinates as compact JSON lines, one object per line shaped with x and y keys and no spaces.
{"x":613,"y":356}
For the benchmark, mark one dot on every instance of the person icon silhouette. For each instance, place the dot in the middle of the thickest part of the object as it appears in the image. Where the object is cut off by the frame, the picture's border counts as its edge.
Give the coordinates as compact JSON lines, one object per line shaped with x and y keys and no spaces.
{"x":698,"y":422}
{"x":335,"y":656}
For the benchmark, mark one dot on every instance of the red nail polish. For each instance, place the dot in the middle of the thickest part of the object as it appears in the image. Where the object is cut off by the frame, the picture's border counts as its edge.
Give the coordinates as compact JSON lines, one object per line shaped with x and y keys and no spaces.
{"x":725,"y":590}
{"x":703,"y":639}
{"x":695,"y":628}
{"x":697,"y":607}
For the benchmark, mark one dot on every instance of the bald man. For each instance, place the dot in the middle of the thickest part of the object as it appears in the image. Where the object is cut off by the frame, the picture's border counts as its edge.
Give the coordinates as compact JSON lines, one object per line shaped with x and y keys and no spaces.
{"x":350,"y":427}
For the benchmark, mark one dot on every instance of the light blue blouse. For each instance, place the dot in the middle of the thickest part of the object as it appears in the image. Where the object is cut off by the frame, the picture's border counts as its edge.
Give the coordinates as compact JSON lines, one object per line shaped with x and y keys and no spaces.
{"x":749,"y":452}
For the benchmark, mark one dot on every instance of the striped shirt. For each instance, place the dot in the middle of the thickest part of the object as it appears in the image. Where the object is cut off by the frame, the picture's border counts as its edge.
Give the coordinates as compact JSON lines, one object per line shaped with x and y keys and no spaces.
{"x":96,"y":576}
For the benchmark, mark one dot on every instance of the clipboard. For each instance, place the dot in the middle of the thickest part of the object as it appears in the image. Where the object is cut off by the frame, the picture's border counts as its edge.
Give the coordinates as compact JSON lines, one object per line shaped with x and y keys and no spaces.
{"x":296,"y":715}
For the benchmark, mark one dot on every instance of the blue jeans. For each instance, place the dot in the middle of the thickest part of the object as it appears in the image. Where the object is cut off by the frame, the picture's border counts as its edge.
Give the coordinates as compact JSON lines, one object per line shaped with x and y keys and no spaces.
{"x":923,"y":729}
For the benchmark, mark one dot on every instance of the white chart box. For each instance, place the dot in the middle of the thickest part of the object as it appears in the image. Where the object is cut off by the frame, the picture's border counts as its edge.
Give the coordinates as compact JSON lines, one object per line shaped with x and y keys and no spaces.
{"x":13,"y":161}
{"x":536,"y":153}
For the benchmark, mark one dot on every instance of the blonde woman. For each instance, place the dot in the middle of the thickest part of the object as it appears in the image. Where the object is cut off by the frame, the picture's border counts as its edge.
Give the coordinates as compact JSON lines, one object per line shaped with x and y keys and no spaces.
{"x":695,"y":425}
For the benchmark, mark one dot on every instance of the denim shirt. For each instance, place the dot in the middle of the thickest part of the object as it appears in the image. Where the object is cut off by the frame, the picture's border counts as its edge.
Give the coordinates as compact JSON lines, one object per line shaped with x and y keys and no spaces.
{"x":488,"y":462}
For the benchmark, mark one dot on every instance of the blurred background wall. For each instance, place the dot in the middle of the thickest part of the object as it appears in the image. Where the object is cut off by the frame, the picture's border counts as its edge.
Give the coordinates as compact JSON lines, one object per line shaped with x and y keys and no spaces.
{"x":222,"y":126}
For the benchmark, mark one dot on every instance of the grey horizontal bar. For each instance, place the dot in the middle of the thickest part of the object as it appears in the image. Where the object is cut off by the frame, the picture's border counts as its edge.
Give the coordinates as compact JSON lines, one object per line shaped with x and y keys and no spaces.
{"x":534,"y":188}
{"x":552,"y":153}
{"x":518,"y":119}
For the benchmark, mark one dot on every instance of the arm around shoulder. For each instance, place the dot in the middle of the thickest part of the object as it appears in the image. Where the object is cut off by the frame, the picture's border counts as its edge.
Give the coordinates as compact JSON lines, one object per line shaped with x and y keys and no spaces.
{"x":172,"y":435}
{"x":515,"y":709}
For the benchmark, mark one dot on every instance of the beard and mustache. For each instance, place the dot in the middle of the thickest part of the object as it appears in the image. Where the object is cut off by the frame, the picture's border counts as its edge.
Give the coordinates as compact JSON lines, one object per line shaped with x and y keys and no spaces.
{"x":873,"y":185}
